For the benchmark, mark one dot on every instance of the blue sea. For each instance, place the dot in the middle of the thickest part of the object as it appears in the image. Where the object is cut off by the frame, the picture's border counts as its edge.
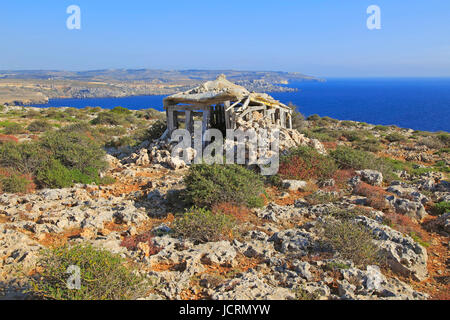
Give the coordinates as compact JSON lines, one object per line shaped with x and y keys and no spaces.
{"x":420,"y":104}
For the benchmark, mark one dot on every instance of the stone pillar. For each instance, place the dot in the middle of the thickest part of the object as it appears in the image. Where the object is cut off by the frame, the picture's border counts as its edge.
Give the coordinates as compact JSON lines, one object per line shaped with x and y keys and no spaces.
{"x":188,"y":120}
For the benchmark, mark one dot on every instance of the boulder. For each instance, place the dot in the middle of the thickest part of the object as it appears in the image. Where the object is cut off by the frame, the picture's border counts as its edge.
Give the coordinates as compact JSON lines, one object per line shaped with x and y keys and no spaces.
{"x":371,"y":177}
{"x":294,"y":185}
{"x":411,"y":208}
{"x":250,"y":286}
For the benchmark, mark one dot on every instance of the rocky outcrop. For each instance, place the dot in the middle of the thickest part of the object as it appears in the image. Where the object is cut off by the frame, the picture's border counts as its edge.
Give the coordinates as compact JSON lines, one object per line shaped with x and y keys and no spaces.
{"x":372,"y":177}
{"x":401,"y":252}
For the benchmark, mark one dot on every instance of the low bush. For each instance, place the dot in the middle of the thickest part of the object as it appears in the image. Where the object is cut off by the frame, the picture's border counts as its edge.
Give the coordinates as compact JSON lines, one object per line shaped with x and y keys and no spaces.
{"x":58,"y":160}
{"x":303,"y":163}
{"x":7,"y":138}
{"x":343,"y":236}
{"x":298,"y":120}
{"x":395,"y":137}
{"x":354,"y":135}
{"x":39,"y":126}
{"x":440,"y":208}
{"x":13,"y":128}
{"x":207,"y":185}
{"x":24,"y":158}
{"x":115,"y":117}
{"x":155,"y":131}
{"x":240,"y":213}
{"x":120,"y":110}
{"x":375,"y":195}
{"x":132,"y":242}
{"x":104,"y":275}
{"x":321,"y":136}
{"x":313,"y":117}
{"x":348,"y":124}
{"x":406,"y":225}
{"x":371,"y":145}
{"x":348,"y":158}
{"x":151,"y":114}
{"x":55,"y":175}
{"x":74,"y":150}
{"x":120,"y":142}
{"x":444,"y":137}
{"x":381,"y":128}
{"x":13,"y":182}
{"x":321,"y":197}
{"x":202,"y":225}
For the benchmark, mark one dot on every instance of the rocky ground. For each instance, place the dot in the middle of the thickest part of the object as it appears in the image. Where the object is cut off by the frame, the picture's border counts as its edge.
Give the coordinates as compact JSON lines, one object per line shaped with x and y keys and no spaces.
{"x":277,"y":253}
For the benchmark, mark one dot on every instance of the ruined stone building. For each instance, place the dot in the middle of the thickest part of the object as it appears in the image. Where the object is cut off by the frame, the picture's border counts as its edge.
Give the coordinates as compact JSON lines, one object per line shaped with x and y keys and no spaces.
{"x":221,"y":104}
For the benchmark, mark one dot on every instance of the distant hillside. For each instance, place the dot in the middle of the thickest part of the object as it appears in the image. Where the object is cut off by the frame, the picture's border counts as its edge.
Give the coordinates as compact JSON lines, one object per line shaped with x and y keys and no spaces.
{"x":37,"y":86}
{"x":162,"y":76}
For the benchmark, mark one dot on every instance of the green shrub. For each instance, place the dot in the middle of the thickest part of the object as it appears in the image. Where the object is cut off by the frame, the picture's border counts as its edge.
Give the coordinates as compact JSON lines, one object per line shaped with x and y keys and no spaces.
{"x":371,"y":145}
{"x":313,"y":117}
{"x":104,"y":275}
{"x":444,"y":137}
{"x":32,"y":114}
{"x":321,"y":134}
{"x":207,"y":185}
{"x":381,"y":128}
{"x":74,"y":150}
{"x":354,"y":135}
{"x":348,"y":158}
{"x":298,"y":120}
{"x":24,"y":157}
{"x":121,"y":142}
{"x":13,"y":128}
{"x":12,"y":182}
{"x":39,"y":126}
{"x":352,"y":241}
{"x":120,"y":110}
{"x":115,"y":117}
{"x":202,"y":225}
{"x":330,"y":120}
{"x":441,"y":208}
{"x":155,"y":131}
{"x":302,"y":294}
{"x":151,"y":114}
{"x":58,"y":160}
{"x":306,"y":163}
{"x":55,"y":175}
{"x":348,"y":123}
{"x":109,"y":118}
{"x":395,"y":137}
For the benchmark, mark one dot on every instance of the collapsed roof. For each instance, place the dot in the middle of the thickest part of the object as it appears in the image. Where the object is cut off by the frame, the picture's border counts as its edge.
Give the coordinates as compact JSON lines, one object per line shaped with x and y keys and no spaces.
{"x":218,"y":91}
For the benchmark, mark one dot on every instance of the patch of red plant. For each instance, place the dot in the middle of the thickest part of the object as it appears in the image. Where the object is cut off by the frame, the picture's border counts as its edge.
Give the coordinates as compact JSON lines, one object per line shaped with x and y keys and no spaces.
{"x":405,"y":224}
{"x":132,"y":242}
{"x":241,"y":213}
{"x":341,"y":177}
{"x":298,"y":168}
{"x":8,"y":138}
{"x":330,"y":145}
{"x":375,"y":195}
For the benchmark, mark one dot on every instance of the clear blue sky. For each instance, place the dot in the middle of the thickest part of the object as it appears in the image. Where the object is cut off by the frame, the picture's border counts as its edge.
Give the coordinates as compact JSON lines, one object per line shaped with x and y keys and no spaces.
{"x":320,"y":37}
